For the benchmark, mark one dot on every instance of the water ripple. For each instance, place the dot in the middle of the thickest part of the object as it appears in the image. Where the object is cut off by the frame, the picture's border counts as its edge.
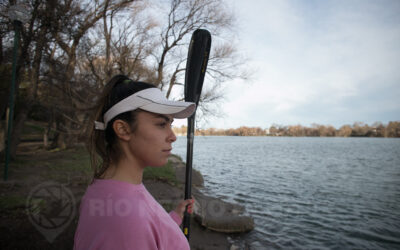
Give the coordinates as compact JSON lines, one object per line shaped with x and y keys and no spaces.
{"x":307,"y":193}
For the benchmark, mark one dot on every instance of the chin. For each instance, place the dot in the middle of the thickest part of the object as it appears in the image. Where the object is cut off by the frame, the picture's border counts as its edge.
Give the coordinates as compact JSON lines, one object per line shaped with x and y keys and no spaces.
{"x":158,"y":164}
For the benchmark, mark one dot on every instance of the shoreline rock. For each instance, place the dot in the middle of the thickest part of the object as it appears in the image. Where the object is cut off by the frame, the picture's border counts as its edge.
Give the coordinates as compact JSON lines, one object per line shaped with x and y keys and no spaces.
{"x":210,"y":212}
{"x":180,"y":172}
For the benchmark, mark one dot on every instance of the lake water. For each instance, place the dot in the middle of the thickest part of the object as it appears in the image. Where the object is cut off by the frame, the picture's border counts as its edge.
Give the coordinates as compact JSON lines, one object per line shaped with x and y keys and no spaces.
{"x":307,"y":193}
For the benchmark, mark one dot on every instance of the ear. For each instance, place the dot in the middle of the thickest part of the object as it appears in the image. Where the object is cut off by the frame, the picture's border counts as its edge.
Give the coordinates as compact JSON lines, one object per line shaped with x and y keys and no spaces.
{"x":122,"y":130}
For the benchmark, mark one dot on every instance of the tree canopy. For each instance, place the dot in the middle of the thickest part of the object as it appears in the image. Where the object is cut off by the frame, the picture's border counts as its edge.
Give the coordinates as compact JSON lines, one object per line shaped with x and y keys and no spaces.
{"x":70,"y":48}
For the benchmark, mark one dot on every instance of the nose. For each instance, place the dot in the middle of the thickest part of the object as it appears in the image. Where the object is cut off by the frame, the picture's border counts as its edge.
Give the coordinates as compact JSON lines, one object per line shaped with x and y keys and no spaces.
{"x":171,"y":136}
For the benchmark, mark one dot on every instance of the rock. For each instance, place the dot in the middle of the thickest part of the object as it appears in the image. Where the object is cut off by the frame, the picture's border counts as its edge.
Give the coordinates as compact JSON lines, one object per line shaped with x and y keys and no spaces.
{"x":197,"y":178}
{"x":180,"y":172}
{"x":176,"y":160}
{"x":234,"y":247}
{"x":213,"y":213}
{"x":221,"y":216}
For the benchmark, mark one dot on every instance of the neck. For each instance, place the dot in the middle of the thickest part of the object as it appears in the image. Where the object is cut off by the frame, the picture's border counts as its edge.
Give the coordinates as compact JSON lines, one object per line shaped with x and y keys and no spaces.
{"x":125,"y":170}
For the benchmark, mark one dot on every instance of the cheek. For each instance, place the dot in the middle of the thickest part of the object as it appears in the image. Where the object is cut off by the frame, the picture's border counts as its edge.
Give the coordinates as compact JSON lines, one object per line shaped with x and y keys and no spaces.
{"x":147,"y":147}
{"x":143,"y":144}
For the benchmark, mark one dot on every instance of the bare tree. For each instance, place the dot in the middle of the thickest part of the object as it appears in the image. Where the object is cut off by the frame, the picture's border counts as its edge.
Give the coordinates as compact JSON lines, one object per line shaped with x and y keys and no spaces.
{"x":120,"y":45}
{"x":393,"y":129}
{"x":72,"y":21}
{"x":345,"y":131}
{"x":183,"y":17}
{"x":129,"y":42}
{"x":33,"y":40}
{"x":70,"y":48}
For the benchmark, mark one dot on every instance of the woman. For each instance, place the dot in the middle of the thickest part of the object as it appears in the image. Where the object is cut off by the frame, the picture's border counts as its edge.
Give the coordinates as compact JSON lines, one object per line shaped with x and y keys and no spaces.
{"x":132,"y":131}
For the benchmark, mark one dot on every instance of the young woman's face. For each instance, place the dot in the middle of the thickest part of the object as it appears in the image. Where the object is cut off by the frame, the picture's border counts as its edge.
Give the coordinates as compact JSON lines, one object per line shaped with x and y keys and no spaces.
{"x":151,"y":143}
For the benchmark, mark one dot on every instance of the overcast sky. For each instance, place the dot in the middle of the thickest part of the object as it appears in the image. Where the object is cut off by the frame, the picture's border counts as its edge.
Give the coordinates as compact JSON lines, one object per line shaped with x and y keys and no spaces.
{"x":327,"y":62}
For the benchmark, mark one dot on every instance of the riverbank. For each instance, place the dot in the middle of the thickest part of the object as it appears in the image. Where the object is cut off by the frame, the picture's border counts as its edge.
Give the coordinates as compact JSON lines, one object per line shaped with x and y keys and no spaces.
{"x":35,"y":166}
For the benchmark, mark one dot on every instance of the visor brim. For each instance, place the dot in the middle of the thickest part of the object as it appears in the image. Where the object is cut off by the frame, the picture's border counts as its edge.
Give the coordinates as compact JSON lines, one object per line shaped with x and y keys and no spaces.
{"x":179,"y":110}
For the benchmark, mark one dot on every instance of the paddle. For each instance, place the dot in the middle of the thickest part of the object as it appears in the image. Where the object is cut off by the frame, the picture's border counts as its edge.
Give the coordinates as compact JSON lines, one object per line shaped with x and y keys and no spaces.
{"x":196,"y":65}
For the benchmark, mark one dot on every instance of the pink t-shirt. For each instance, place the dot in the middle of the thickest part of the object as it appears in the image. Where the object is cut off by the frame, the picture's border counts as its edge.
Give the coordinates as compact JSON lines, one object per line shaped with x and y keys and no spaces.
{"x":120,"y":215}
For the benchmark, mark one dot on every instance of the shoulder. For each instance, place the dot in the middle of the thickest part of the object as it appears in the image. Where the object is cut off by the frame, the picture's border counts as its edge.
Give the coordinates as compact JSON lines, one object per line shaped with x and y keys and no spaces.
{"x":115,"y":202}
{"x":121,"y":218}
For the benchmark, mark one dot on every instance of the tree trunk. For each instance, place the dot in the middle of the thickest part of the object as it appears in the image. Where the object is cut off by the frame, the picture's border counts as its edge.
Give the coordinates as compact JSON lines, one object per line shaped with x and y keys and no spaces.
{"x":59,"y":141}
{"x":3,"y":102}
{"x":5,"y":76}
{"x":1,"y":49}
{"x":46,"y":134}
{"x":2,"y":137}
{"x":70,"y":137}
{"x":18,"y":126}
{"x":59,"y":136}
{"x":46,"y":138}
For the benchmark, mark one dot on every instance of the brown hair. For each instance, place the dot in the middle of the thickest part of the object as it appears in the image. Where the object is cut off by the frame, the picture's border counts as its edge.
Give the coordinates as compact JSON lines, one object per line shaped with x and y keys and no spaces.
{"x":103,"y":144}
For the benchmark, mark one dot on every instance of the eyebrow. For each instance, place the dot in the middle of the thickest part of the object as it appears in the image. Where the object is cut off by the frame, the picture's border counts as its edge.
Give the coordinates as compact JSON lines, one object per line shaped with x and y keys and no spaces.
{"x":166,"y":118}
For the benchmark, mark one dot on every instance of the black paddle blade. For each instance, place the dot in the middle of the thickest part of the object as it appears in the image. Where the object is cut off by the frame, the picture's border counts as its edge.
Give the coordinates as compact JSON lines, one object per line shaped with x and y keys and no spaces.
{"x":196,"y":65}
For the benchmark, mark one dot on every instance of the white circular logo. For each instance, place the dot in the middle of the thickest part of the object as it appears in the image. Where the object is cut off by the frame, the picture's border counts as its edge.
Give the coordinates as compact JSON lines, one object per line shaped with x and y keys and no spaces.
{"x":50,"y":208}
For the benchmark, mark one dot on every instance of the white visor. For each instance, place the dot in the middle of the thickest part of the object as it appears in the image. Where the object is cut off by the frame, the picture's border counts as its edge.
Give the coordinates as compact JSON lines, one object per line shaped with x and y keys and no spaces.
{"x":152,"y":100}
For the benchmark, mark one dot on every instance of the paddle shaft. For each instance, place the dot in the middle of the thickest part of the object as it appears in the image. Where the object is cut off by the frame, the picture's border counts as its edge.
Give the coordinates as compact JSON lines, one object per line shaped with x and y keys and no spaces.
{"x":196,"y":65}
{"x":188,"y":178}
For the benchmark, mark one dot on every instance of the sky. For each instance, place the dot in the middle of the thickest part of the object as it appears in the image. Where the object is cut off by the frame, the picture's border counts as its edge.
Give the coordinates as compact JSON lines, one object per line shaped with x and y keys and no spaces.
{"x":330,"y":62}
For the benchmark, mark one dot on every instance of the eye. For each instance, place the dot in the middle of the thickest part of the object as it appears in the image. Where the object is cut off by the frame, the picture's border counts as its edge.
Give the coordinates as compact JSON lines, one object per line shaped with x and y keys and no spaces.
{"x":164,"y":124}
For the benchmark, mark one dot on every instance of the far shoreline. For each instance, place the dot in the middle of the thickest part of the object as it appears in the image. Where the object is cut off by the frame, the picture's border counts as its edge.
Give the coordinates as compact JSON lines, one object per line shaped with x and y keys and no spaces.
{"x":273,"y":136}
{"x":358,"y":129}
